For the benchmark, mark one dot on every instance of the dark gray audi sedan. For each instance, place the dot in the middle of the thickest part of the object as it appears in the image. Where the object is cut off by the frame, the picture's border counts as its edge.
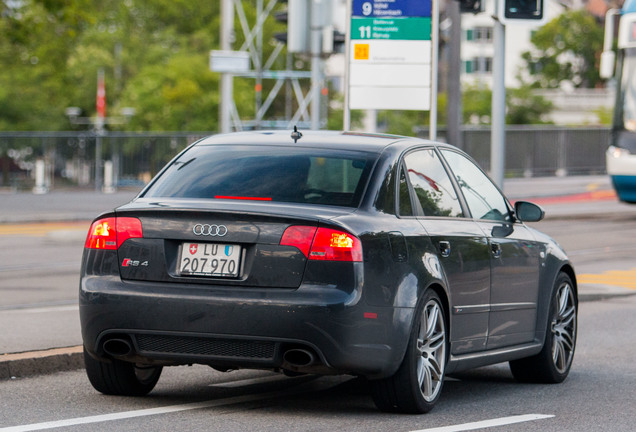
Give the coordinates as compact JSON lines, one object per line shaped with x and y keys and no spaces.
{"x":391,"y":258}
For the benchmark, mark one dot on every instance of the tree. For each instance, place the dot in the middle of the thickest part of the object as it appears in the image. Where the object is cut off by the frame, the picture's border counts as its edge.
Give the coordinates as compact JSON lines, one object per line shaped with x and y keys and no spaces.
{"x":525,"y":107}
{"x":154,"y":54}
{"x":522,"y":106}
{"x":567,"y":49}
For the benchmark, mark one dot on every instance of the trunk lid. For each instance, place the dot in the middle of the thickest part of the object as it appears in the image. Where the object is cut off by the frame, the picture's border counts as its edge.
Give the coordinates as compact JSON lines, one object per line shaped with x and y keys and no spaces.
{"x":225,"y":243}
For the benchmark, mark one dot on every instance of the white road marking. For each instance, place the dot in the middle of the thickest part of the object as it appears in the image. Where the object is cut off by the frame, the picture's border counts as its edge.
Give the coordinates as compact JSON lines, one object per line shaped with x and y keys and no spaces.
{"x":503,"y":421}
{"x":65,"y":308}
{"x":250,"y":381}
{"x":164,"y":410}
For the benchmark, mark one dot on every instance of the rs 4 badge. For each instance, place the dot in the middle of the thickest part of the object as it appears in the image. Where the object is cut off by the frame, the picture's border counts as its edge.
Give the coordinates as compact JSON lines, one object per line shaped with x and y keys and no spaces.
{"x":127,"y":262}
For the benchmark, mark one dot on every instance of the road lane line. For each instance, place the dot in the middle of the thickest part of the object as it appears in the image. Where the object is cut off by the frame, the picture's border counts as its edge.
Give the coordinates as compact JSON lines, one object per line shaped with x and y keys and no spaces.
{"x":163,"y":410}
{"x":251,"y":381}
{"x":621,"y":278}
{"x":69,"y":308}
{"x":41,"y":229}
{"x":503,"y":421}
{"x":39,"y":305}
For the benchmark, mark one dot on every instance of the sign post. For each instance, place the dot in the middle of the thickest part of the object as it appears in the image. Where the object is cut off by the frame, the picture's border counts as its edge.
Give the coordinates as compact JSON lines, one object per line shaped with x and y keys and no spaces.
{"x":392,"y":57}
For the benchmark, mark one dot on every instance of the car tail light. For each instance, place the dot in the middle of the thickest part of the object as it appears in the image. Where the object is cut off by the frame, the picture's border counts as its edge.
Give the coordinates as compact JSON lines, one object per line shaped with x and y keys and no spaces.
{"x":323,"y":244}
{"x":300,"y":237}
{"x":110,"y":233}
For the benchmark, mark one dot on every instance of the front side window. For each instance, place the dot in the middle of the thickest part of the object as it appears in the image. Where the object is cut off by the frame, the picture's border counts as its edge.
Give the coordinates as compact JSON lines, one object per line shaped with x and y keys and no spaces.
{"x":267,"y":173}
{"x":431,"y":184}
{"x":482,"y":196}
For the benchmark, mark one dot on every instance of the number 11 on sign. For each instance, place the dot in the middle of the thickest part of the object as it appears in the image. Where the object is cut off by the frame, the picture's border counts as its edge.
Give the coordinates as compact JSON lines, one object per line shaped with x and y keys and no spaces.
{"x":365,"y":32}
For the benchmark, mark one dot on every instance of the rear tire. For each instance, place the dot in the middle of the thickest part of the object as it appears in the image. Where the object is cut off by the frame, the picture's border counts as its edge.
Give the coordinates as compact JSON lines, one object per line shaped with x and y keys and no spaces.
{"x":552,"y":364}
{"x":417,"y":384}
{"x":121,"y":378}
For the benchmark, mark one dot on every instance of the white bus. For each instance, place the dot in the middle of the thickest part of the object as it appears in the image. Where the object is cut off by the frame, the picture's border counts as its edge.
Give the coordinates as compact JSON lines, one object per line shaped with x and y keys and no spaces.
{"x":621,"y":154}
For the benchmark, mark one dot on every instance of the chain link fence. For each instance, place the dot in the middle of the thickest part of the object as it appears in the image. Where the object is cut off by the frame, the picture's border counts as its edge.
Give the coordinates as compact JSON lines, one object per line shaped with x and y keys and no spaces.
{"x":542,"y":151}
{"x":41,"y":161}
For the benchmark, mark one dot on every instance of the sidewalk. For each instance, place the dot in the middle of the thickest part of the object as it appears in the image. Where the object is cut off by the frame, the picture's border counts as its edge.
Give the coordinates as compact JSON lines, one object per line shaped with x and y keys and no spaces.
{"x":562,"y":198}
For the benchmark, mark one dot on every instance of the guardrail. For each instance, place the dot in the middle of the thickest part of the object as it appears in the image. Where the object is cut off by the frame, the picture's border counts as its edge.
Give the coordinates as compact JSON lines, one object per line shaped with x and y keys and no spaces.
{"x":41,"y":161}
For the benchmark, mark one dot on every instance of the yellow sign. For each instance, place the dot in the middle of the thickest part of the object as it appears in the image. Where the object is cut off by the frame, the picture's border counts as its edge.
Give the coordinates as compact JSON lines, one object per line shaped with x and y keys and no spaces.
{"x":361,"y":52}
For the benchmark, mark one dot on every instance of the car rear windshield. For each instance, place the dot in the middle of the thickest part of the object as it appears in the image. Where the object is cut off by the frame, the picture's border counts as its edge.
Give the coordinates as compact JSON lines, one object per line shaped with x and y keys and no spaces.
{"x":266,"y":173}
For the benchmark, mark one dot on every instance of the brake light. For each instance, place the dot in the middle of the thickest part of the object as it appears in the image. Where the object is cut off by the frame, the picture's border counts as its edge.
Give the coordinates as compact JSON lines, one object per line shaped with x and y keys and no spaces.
{"x":110,"y":233}
{"x":300,"y":237}
{"x":323,"y":244}
{"x":243,"y":198}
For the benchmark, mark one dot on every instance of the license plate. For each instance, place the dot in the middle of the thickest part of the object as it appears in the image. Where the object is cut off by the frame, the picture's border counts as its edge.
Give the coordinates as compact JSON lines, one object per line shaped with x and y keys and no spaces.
{"x":210,"y":259}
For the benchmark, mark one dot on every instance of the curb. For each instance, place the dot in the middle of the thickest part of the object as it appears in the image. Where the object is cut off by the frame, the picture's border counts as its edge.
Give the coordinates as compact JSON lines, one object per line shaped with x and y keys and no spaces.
{"x":41,"y":362}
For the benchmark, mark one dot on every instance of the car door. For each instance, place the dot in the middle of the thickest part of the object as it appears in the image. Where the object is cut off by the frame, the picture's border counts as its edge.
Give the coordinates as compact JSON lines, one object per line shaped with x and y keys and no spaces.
{"x":514,"y":281}
{"x":462,"y":248}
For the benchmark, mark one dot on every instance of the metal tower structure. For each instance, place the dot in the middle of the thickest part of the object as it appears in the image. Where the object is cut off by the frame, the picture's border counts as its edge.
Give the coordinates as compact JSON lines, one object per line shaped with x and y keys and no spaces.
{"x":261,"y":70}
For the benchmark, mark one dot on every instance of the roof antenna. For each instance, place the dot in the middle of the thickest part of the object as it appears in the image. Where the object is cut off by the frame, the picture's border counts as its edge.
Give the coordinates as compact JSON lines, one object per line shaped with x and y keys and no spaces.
{"x":296,"y":135}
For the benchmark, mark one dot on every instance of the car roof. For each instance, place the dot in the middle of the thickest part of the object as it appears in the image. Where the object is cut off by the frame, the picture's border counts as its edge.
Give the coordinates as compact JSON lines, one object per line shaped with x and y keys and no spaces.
{"x":316,"y":139}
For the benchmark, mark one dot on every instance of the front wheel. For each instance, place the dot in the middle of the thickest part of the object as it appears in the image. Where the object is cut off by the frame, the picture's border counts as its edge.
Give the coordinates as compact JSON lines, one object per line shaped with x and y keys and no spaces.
{"x":121,"y":378}
{"x":553,"y":363}
{"x":417,"y":384}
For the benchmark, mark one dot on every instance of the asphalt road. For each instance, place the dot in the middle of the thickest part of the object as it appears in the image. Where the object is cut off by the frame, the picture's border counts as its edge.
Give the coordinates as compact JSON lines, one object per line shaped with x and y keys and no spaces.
{"x":39,"y":267}
{"x":597,"y":396}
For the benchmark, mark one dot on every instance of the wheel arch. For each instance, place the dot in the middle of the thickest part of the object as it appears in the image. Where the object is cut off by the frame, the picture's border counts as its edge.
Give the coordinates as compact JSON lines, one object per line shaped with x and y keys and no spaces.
{"x":544,"y":300}
{"x":442,"y":293}
{"x":443,"y":296}
{"x":569,"y":270}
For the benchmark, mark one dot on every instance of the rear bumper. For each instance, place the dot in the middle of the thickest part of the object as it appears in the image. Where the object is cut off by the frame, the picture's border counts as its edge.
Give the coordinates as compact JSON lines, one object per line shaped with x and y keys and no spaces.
{"x":247,"y":328}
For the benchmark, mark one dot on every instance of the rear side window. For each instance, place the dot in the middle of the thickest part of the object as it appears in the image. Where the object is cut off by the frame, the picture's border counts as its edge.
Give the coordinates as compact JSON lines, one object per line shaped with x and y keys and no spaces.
{"x":267,"y":173}
{"x":432,"y":186}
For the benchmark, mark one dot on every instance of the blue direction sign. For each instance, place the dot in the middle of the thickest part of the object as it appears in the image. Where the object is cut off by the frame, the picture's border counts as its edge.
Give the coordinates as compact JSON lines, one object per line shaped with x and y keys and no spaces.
{"x":391,"y":8}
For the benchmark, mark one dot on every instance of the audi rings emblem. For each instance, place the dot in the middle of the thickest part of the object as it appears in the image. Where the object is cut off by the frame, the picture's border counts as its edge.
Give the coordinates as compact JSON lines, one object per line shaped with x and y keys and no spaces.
{"x":209,"y":230}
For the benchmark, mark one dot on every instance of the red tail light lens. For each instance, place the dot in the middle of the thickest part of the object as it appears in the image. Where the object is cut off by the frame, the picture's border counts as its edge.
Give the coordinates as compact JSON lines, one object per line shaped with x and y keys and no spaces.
{"x":300,"y":237}
{"x":110,"y":233}
{"x":332,"y":245}
{"x":323,"y":244}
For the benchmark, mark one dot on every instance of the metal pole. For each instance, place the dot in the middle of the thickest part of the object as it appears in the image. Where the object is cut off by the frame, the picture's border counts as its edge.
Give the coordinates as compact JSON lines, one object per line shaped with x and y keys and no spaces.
{"x":259,"y":71}
{"x":371,"y":121}
{"x":346,"y":115}
{"x":498,"y":137}
{"x":98,"y":156}
{"x":434,"y":64}
{"x":316,"y":60}
{"x":453,"y":83}
{"x":227,"y":31}
{"x":99,"y":130}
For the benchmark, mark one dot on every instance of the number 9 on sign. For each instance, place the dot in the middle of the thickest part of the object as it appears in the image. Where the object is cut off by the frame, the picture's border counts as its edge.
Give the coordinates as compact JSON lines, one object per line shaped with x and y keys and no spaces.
{"x":367,"y":8}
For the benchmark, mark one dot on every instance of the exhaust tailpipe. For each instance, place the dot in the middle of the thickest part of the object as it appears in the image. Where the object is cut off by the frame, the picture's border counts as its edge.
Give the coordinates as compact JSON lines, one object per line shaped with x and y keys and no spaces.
{"x":118,"y":347}
{"x":299,"y":357}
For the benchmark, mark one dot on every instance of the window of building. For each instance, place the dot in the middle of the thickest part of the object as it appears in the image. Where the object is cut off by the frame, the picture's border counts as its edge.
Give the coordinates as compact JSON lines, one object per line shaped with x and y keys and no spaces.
{"x":479,"y":34}
{"x":478,"y":65}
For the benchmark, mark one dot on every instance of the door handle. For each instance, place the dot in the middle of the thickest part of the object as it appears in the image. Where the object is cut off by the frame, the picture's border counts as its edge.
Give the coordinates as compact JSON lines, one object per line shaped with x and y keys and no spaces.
{"x":496,"y":249}
{"x":444,"y":248}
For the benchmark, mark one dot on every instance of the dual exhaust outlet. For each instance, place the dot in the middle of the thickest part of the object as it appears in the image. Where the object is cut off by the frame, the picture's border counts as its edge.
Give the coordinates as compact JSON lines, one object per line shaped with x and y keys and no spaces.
{"x":294,"y":357}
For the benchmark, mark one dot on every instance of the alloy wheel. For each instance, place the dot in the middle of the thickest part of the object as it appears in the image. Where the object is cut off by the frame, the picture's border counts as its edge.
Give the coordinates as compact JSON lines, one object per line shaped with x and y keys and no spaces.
{"x":431,"y":346}
{"x":564,"y":328}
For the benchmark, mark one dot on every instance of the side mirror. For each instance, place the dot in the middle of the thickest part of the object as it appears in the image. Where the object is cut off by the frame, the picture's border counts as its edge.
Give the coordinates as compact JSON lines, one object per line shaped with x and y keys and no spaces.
{"x":528,"y":212}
